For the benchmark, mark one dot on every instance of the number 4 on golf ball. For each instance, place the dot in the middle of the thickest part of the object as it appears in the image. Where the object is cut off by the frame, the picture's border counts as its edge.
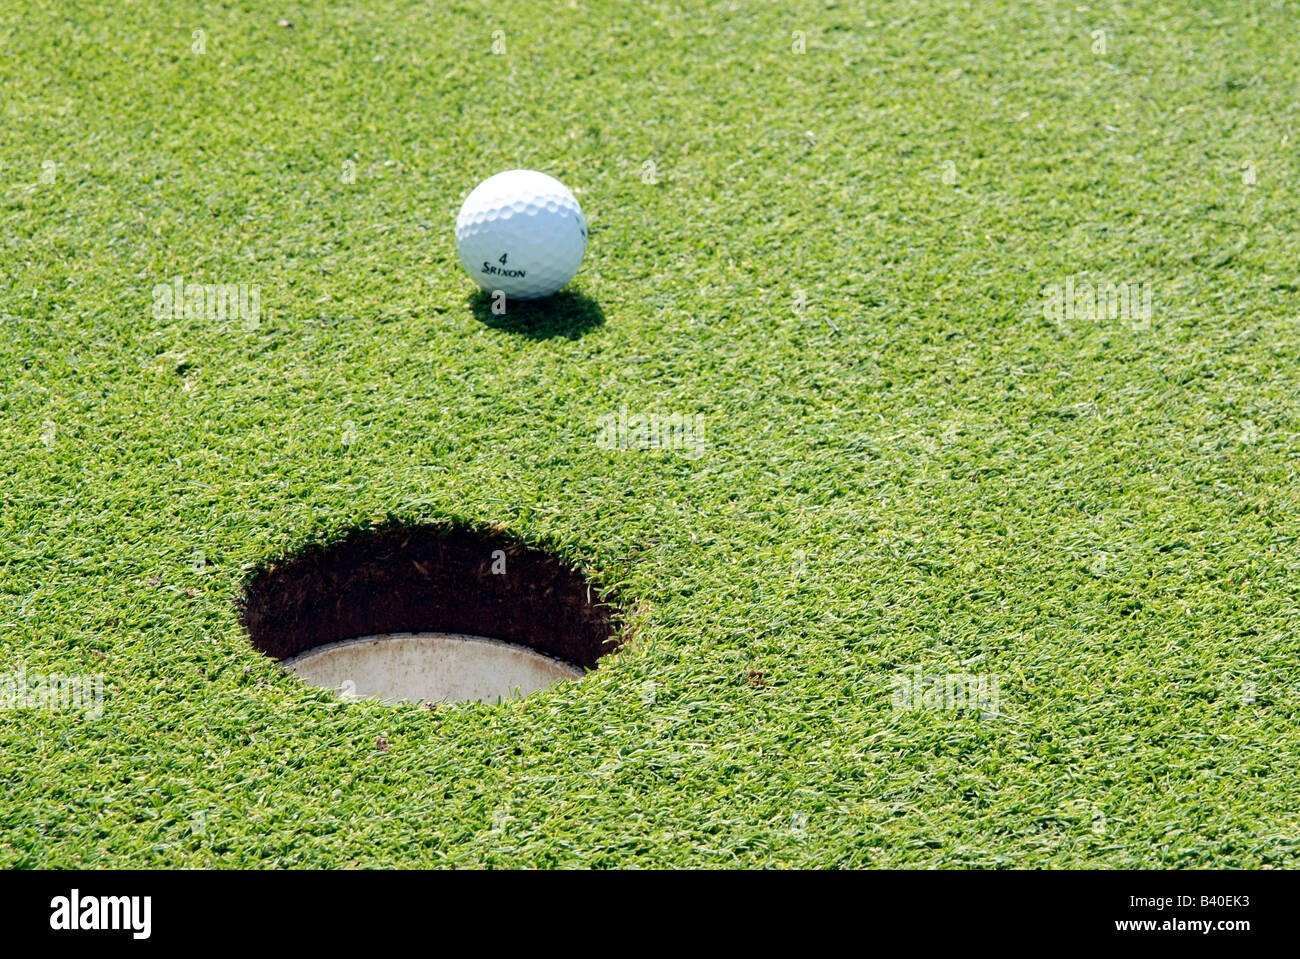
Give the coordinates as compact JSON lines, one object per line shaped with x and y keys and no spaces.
{"x":521,"y":232}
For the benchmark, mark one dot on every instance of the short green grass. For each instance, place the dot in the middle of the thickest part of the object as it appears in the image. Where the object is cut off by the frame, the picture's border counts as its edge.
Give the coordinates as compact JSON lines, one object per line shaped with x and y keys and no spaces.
{"x":837,"y":256}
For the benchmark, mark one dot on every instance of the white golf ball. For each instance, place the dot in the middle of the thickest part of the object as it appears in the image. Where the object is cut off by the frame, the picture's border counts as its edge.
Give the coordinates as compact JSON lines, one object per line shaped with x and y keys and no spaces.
{"x":521,"y":232}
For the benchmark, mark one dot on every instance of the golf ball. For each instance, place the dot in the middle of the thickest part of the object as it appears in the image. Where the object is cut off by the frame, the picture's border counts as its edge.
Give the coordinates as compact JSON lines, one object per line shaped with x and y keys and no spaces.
{"x":521,"y":232}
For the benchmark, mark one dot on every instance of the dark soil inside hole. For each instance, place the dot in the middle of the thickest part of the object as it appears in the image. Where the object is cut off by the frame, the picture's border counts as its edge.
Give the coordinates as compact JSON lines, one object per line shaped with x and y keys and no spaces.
{"x":427,"y":579}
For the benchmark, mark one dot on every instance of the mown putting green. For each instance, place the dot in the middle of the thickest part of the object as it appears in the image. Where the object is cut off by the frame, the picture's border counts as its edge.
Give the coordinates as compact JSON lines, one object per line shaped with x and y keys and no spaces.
{"x":945,"y":571}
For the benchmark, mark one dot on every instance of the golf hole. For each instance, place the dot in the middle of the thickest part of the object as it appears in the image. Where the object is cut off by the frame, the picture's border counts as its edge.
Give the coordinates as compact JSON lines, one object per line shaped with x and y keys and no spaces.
{"x":428,"y":614}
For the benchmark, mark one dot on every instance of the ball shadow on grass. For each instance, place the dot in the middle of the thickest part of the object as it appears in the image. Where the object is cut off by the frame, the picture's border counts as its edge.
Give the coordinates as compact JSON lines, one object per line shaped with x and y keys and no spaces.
{"x":568,"y":313}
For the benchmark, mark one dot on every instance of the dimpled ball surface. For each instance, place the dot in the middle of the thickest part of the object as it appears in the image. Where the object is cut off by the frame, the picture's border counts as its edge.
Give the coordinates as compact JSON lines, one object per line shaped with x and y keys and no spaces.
{"x":521,"y":232}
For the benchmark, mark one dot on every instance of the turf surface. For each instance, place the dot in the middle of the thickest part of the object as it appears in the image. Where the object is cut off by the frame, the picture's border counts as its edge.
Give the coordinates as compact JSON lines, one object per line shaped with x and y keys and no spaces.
{"x":838,"y":257}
